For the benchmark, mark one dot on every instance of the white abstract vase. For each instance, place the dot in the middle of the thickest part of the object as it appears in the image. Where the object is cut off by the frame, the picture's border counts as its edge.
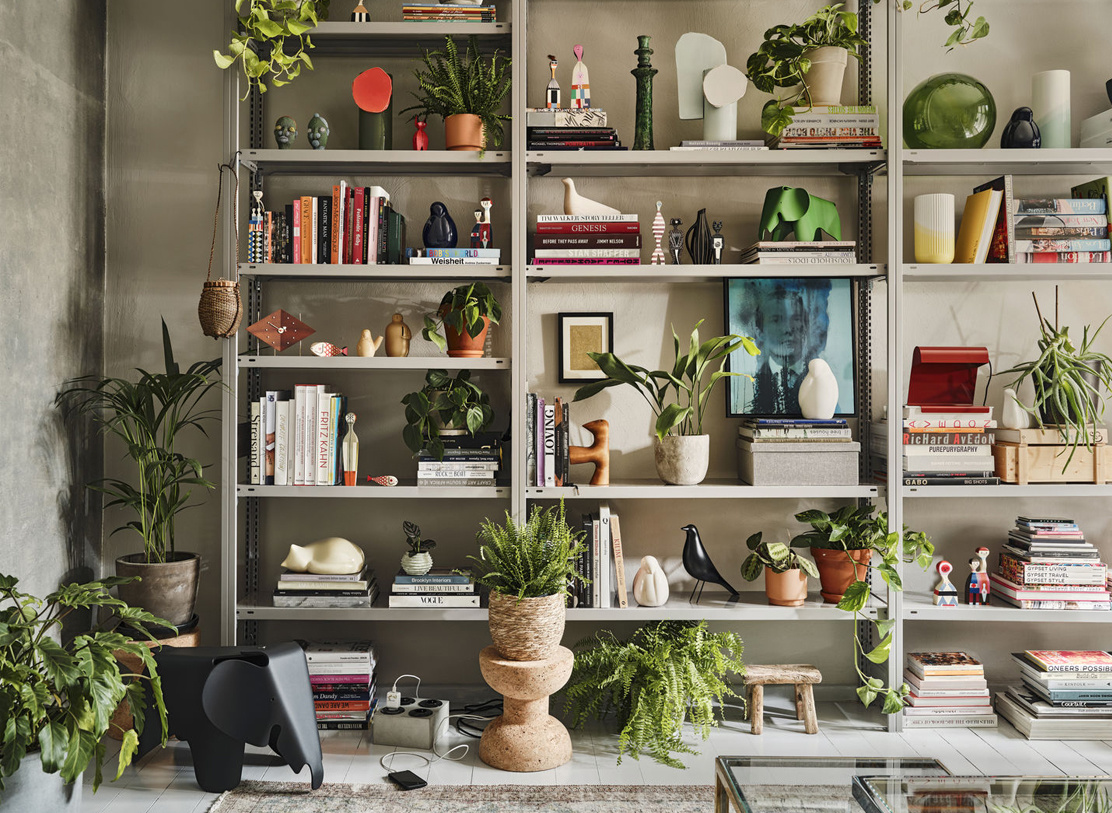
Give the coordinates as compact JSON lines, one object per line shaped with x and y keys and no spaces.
{"x":1014,"y":416}
{"x":650,"y":585}
{"x":818,"y":392}
{"x":1050,"y":102}
{"x":934,"y":228}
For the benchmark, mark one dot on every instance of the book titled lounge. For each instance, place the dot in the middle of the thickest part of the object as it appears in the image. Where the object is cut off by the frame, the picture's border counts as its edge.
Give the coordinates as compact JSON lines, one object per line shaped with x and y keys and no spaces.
{"x":434,"y":601}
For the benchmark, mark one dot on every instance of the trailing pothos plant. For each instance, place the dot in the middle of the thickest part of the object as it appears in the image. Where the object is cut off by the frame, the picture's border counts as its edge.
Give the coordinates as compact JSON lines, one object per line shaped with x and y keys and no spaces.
{"x":958,"y":14}
{"x":462,"y":309}
{"x":272,"y":40}
{"x":852,"y":528}
{"x":444,"y":401}
{"x":678,"y":396}
{"x":666,"y":674}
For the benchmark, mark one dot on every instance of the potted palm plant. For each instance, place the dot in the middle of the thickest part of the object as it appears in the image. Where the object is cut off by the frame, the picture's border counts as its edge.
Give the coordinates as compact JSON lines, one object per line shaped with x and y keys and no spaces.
{"x":57,"y":696}
{"x":149,"y":415}
{"x":528,"y":569}
{"x":786,"y":571}
{"x":467,"y":91}
{"x":444,"y":406}
{"x":465,"y":315}
{"x":678,"y":398}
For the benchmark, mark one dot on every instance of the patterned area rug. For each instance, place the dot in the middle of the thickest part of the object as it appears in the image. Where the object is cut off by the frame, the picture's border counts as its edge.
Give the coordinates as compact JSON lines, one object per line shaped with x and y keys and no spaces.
{"x":283,"y":797}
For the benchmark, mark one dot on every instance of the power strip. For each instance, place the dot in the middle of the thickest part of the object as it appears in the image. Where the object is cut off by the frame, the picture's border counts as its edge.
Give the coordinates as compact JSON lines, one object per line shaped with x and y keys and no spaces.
{"x":411,"y":723}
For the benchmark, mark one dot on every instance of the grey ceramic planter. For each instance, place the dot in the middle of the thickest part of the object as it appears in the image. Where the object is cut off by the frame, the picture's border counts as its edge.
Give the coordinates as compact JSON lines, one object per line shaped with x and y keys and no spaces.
{"x":682,"y":460}
{"x":30,"y":788}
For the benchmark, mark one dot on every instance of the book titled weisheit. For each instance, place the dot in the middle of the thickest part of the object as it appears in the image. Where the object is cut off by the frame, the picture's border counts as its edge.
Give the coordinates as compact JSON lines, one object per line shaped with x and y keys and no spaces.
{"x":434,"y":601}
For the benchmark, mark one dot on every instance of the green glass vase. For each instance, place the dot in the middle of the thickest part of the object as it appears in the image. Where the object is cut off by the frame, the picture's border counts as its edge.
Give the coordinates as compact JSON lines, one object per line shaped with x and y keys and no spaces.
{"x":950,"y":111}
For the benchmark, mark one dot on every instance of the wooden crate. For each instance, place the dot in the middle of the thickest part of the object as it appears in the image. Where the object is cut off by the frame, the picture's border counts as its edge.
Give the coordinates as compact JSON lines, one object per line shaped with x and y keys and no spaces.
{"x":1023,"y":464}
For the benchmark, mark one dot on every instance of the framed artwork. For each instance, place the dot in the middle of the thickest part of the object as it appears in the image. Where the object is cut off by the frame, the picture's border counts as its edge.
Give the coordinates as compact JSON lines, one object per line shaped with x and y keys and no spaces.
{"x":792,"y":322}
{"x":580,"y":334}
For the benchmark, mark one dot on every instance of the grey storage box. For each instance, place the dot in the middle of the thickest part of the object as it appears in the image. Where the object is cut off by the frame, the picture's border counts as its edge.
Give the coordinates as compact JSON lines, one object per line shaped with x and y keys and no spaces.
{"x":798,"y":464}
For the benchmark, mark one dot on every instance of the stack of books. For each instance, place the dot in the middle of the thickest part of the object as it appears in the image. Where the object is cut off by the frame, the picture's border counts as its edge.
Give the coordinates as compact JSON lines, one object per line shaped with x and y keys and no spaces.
{"x":454,"y":256}
{"x":449,"y":12}
{"x":940,"y":448}
{"x":795,"y":430}
{"x":948,"y":690}
{"x":326,"y":590}
{"x":1047,"y":565}
{"x":1065,"y":695}
{"x":437,"y":588}
{"x":297,"y":438}
{"x":576,"y":129}
{"x":342,"y":675}
{"x":720,"y":146}
{"x":800,"y":252}
{"x":602,"y":564}
{"x":547,"y":440}
{"x":1062,"y":230}
{"x":468,"y":461}
{"x":598,"y":240}
{"x":831,"y":127}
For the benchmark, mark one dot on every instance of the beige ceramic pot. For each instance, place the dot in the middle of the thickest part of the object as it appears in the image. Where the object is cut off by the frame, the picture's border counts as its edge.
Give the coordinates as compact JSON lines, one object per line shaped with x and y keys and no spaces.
{"x":167,"y":590}
{"x":529,"y":629}
{"x":827,"y":73}
{"x":682,"y":460}
{"x":463,"y":131}
{"x":836,"y":570}
{"x":787,"y":589}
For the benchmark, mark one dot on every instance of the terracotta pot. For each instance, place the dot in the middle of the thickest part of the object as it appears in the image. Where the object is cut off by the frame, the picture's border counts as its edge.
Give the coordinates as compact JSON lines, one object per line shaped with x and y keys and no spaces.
{"x":463,"y":345}
{"x":682,"y":460}
{"x":464,"y":131}
{"x":529,"y":629}
{"x":826,"y":74}
{"x":836,"y":570}
{"x":787,"y":589}
{"x":167,"y":590}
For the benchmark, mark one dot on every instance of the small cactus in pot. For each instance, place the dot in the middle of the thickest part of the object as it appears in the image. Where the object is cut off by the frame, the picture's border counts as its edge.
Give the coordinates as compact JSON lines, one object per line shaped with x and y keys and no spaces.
{"x":417,"y":561}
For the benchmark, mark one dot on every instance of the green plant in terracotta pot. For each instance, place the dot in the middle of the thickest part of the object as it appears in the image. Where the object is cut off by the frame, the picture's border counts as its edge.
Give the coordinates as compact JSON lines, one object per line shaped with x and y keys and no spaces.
{"x":444,"y":406}
{"x":786,"y":571}
{"x":464,"y":316}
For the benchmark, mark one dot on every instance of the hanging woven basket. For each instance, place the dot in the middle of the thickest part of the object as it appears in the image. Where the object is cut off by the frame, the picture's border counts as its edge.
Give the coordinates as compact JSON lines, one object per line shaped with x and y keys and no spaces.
{"x":220,"y":308}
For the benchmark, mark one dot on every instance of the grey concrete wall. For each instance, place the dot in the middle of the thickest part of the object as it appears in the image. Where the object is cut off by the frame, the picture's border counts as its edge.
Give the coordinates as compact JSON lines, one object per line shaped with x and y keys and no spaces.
{"x":52,"y":294}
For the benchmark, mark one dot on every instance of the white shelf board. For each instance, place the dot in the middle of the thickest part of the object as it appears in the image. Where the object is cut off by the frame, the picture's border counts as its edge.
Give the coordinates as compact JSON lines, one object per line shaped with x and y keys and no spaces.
{"x":393,"y":273}
{"x":401,"y":38}
{"x":405,"y":490}
{"x":708,"y":490}
{"x":1004,"y":272}
{"x":691,"y":273}
{"x":696,"y":163}
{"x":919,"y":607}
{"x":1059,"y":491}
{"x":1014,"y":162}
{"x":247,"y":611}
{"x":383,"y":162}
{"x":311,"y":362}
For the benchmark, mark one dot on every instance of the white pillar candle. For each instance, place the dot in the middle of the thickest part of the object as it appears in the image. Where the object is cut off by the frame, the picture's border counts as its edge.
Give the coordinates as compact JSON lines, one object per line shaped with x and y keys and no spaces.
{"x":1050,"y":102}
{"x":934,"y":228}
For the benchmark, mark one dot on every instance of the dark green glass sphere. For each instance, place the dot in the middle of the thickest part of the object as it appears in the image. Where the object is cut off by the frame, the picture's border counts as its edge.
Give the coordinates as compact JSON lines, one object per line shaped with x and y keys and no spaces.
{"x":950,"y":111}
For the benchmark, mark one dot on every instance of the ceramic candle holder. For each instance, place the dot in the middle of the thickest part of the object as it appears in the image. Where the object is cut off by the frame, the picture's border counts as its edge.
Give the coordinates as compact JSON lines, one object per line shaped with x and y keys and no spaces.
{"x":934,"y":228}
{"x":1050,"y":102}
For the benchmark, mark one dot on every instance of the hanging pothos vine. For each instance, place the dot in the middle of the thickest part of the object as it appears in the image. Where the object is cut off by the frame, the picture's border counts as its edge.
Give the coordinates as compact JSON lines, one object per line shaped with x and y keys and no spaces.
{"x":967,"y":28}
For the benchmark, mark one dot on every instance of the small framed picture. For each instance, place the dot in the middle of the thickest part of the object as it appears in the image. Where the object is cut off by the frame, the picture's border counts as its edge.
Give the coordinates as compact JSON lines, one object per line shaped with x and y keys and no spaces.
{"x":580,"y":334}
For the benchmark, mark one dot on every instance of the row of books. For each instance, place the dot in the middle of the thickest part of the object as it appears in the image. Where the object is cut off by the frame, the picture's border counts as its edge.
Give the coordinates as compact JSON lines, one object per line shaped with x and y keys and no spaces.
{"x":801,"y":252}
{"x":342,"y":677}
{"x":547,"y":440}
{"x":1063,"y":695}
{"x":1046,"y":564}
{"x":602,"y":564}
{"x":573,"y":138}
{"x":587,"y":240}
{"x":454,"y":256}
{"x":437,"y":588}
{"x":464,"y":460}
{"x":831,"y":127}
{"x":449,"y":12}
{"x":326,"y":590}
{"x":948,"y":690}
{"x":353,"y":225}
{"x":297,"y":437}
{"x":940,"y":448}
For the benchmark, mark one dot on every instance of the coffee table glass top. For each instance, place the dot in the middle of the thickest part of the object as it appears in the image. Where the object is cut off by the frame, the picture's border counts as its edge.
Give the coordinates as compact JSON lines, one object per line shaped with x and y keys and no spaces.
{"x":808,"y":785}
{"x":984,"y":794}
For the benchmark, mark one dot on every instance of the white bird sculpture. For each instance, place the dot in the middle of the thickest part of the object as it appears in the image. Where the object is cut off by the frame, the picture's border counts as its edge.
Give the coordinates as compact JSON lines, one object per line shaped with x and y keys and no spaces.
{"x":818,"y":392}
{"x":576,"y":204}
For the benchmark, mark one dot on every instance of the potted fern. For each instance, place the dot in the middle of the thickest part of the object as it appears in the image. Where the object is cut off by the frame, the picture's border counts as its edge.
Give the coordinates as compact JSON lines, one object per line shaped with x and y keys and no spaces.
{"x":528,"y":569}
{"x":467,"y":91}
{"x":786,"y":571}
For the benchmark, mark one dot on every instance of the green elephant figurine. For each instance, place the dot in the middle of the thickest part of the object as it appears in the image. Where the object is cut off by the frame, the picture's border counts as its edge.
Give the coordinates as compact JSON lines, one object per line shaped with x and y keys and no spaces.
{"x":790,"y":209}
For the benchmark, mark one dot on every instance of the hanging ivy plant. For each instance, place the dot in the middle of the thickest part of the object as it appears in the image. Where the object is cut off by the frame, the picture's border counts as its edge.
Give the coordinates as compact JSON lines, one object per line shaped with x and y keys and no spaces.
{"x":958,"y":14}
{"x":272,"y":40}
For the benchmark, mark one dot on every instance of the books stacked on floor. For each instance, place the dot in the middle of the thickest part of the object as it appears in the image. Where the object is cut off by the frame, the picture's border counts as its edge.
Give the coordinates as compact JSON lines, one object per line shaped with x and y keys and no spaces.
{"x":1064,"y":695}
{"x":297,"y":438}
{"x":437,"y":588}
{"x":453,"y":256}
{"x":342,"y":676}
{"x":574,"y":129}
{"x":799,"y":252}
{"x":602,"y":563}
{"x":1047,"y":565}
{"x":547,"y":440}
{"x":948,"y":690}
{"x":740,"y":145}
{"x":600,"y":240}
{"x":831,"y":127}
{"x":466,"y":461}
{"x":940,"y":448}
{"x":326,"y":590}
{"x":449,"y":13}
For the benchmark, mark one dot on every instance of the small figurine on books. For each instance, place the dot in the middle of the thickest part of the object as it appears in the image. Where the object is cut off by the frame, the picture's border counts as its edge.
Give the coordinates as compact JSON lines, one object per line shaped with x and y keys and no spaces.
{"x":486,"y":235}
{"x":945,"y":594}
{"x":977,"y":588}
{"x":351,"y":451}
{"x":476,"y":230}
{"x":580,"y":82}
{"x":552,"y":93}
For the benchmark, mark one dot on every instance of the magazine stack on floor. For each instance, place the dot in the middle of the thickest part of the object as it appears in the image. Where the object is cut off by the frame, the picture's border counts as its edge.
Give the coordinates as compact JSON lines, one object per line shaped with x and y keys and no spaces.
{"x":342,"y":675}
{"x":1046,"y":564}
{"x":948,"y":690}
{"x":1064,"y":695}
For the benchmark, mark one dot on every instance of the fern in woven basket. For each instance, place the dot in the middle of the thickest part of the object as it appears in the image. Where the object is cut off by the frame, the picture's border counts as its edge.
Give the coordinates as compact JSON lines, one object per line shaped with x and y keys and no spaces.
{"x":454,"y":83}
{"x":666,"y":674}
{"x":530,"y":560}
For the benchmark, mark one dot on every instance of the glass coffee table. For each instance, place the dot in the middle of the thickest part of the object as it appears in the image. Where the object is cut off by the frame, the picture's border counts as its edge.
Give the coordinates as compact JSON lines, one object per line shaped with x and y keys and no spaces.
{"x":804,"y":784}
{"x":983,"y":794}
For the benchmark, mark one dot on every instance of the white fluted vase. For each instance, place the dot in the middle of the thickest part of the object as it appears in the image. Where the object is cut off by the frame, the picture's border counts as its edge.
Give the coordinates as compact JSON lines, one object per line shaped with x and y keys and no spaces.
{"x":934,"y":228}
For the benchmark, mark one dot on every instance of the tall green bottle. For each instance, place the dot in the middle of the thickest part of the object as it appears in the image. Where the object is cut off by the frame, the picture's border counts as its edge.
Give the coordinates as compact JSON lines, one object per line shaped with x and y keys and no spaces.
{"x":644,"y":73}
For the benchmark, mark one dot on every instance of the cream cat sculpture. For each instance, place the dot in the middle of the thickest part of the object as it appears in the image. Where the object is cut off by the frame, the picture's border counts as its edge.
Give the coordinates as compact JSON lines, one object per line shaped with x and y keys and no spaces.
{"x":650,"y":585}
{"x":332,"y":555}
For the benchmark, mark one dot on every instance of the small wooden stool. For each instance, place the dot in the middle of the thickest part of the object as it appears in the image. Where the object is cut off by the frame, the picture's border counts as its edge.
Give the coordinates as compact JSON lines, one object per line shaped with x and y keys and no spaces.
{"x":802,"y":675}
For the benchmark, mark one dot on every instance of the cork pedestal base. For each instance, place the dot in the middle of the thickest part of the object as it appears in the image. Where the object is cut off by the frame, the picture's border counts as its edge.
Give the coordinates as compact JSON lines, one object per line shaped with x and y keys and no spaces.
{"x":526,"y":737}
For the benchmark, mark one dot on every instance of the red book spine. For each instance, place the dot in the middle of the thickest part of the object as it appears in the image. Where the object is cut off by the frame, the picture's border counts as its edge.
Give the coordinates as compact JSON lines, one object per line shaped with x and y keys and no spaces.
{"x":342,"y":705}
{"x":334,"y":256}
{"x":296,"y":229}
{"x":588,"y":228}
{"x":357,"y":230}
{"x":589,"y":261}
{"x":349,"y":221}
{"x":306,"y":230}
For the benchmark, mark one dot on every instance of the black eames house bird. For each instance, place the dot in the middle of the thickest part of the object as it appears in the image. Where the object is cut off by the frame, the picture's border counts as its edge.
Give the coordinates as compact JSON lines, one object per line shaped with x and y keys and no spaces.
{"x":697,"y":563}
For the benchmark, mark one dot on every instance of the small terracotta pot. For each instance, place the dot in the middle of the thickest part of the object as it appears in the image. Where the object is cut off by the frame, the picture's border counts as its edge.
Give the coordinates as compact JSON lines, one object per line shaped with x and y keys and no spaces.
{"x":836,"y":570}
{"x":464,"y":131}
{"x":462,"y":345}
{"x":787,"y":589}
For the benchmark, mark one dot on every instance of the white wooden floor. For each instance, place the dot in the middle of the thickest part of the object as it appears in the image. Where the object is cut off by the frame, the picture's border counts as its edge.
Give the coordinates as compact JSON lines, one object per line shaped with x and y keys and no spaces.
{"x":164,"y":782}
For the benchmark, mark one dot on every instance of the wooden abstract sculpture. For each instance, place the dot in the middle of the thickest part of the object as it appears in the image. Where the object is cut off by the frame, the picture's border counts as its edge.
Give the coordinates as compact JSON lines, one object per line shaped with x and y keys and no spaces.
{"x":598,"y":452}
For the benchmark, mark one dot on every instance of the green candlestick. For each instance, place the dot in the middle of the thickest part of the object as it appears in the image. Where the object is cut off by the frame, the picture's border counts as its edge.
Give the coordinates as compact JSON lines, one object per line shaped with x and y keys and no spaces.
{"x":644,"y":73}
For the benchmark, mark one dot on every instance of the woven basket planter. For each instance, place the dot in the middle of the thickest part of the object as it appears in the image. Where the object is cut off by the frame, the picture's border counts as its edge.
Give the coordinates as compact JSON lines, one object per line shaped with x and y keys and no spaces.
{"x":220,"y":308}
{"x":527,"y":630}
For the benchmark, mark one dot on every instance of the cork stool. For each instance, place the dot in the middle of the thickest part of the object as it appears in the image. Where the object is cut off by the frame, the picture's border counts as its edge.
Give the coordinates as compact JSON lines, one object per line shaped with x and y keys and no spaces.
{"x":803,"y":676}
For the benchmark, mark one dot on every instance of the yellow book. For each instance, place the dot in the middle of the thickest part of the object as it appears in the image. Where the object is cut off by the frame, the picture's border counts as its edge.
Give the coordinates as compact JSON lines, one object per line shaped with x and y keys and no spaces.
{"x":977,"y":224}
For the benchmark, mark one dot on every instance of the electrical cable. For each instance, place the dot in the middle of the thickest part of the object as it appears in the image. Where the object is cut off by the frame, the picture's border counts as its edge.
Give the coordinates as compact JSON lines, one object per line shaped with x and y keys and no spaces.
{"x":438,"y":756}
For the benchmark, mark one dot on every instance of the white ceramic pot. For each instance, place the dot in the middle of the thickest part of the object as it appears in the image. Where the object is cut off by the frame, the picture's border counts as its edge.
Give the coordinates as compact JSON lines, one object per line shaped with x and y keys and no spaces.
{"x":417,"y":564}
{"x":934,"y":228}
{"x":682,"y":460}
{"x":828,"y":70}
